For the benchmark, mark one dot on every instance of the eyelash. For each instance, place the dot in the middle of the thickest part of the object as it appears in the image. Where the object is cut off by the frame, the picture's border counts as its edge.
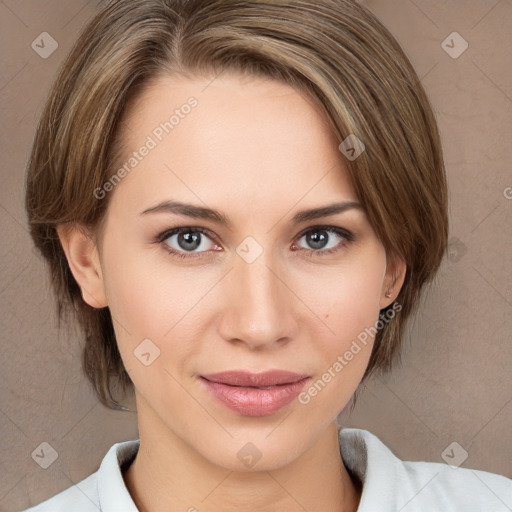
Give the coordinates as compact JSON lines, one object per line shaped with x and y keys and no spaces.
{"x":343,"y":233}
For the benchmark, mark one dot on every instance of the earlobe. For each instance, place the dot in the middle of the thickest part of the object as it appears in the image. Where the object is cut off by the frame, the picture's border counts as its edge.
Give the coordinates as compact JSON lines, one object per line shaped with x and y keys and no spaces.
{"x":83,"y":259}
{"x":393,"y":281}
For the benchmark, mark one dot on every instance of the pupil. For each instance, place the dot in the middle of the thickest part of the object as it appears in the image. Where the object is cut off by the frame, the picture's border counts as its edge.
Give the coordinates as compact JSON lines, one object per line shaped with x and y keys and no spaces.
{"x":189,"y":241}
{"x":318,"y":239}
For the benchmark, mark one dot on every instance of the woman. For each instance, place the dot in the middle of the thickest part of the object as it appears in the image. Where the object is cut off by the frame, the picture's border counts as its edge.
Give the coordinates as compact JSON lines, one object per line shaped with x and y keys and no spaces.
{"x":242,"y":202}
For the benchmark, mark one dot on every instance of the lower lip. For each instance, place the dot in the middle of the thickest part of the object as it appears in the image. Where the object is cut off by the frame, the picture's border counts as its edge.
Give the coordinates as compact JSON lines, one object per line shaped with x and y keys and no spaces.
{"x":255,"y":401}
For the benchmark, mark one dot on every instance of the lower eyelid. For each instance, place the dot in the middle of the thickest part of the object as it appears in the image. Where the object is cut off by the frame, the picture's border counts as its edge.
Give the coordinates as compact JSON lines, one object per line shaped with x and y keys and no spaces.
{"x":345,"y":240}
{"x":163,"y":238}
{"x":345,"y":235}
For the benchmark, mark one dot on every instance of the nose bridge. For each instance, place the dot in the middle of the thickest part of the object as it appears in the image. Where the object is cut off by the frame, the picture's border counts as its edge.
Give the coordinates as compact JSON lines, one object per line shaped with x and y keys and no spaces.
{"x":258,"y":309}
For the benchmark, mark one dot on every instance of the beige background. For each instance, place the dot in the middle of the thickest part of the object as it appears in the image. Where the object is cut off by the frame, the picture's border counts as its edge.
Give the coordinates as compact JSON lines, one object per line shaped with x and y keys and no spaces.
{"x":455,"y":383}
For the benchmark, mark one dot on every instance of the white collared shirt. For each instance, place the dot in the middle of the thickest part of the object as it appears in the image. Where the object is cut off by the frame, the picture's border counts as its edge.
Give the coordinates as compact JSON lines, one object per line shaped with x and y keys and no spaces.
{"x":389,"y":484}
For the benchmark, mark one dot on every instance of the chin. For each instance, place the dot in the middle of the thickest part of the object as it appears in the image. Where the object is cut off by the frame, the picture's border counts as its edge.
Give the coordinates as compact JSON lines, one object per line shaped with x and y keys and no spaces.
{"x":252,"y":453}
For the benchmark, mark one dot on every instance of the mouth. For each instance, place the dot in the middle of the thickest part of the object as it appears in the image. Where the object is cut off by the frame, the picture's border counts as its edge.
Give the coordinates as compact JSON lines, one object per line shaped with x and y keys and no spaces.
{"x":255,"y":394}
{"x":267,"y":379}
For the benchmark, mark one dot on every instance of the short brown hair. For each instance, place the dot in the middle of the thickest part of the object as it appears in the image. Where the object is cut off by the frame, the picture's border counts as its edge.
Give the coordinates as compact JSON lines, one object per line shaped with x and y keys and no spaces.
{"x":334,"y":50}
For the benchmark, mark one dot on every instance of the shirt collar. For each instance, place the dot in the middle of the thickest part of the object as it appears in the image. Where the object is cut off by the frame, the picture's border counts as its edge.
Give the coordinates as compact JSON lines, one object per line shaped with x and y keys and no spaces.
{"x":112,"y":492}
{"x":363,"y":454}
{"x":366,"y":456}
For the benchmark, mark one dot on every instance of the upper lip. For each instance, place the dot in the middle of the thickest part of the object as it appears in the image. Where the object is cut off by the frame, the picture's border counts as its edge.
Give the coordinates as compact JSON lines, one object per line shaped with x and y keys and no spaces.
{"x":248,"y":379}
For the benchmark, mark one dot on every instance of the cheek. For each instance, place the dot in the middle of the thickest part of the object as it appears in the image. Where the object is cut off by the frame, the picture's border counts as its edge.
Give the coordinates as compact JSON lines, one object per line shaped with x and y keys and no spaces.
{"x":150,"y":299}
{"x":139,"y":297}
{"x":345,"y":298}
{"x":147,"y":310}
{"x":348,"y":307}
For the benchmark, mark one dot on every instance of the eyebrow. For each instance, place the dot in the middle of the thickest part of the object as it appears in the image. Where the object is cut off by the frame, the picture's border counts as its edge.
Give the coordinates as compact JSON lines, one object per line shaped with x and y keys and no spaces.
{"x":200,"y":212}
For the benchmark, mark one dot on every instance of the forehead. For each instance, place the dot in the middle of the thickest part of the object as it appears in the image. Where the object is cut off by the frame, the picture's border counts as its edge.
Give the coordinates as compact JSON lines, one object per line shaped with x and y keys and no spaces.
{"x":229,"y":136}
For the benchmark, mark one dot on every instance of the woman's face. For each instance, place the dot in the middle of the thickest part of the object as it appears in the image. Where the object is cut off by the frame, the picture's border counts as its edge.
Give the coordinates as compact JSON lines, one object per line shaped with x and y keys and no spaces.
{"x":269,"y":287}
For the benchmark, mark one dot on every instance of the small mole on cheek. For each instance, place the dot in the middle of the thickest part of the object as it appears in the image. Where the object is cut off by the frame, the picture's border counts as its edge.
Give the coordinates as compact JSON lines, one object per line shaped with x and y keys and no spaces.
{"x":327,"y":316}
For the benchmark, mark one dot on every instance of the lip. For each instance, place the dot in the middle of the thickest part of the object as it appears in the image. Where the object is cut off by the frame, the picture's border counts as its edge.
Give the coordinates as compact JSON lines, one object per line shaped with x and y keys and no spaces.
{"x":249,"y":379}
{"x":255,"y":394}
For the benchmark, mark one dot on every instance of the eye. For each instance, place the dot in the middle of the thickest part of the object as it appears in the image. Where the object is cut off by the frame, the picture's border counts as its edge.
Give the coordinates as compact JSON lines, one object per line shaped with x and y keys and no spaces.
{"x":325,"y":239}
{"x":186,"y":242}
{"x":196,"y":242}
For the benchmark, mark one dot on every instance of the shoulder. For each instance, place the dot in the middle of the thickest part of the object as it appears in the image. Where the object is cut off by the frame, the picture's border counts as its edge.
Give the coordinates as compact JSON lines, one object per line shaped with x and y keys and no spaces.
{"x":103,"y":490}
{"x":392,"y":484}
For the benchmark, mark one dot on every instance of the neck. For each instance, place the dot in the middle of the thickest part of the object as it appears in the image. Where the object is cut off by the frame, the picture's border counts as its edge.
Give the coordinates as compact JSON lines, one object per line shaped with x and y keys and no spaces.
{"x":168,"y":474}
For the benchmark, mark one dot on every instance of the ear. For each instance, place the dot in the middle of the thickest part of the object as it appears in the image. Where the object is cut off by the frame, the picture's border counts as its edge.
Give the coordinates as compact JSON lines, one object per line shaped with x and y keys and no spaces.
{"x":84,"y":262}
{"x":393,"y":280}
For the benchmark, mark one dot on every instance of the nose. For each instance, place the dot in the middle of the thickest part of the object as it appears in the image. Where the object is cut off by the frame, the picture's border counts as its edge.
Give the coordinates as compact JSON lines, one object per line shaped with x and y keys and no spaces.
{"x":258,"y":310}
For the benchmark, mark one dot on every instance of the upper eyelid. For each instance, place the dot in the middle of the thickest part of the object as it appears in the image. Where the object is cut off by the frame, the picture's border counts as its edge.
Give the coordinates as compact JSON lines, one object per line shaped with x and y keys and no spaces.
{"x":332,"y":229}
{"x":324,"y":227}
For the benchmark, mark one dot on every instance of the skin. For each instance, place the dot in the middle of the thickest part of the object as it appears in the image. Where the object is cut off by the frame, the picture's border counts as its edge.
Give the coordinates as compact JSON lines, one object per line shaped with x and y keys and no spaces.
{"x":259,"y":151}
